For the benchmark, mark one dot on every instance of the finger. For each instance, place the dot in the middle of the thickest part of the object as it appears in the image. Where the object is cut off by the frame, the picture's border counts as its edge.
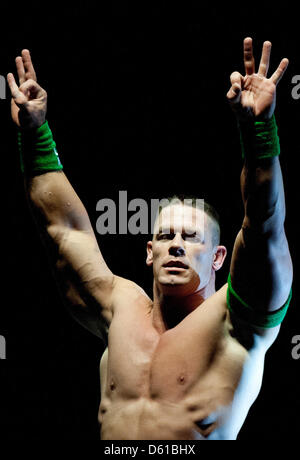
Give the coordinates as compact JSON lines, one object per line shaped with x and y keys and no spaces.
{"x":27,"y":62}
{"x":30,"y":85}
{"x":234,"y":94}
{"x":278,"y":74}
{"x":16,"y":94}
{"x":237,"y":79}
{"x":20,"y":70}
{"x":12,"y":84}
{"x":248,"y":56}
{"x":265,"y":59}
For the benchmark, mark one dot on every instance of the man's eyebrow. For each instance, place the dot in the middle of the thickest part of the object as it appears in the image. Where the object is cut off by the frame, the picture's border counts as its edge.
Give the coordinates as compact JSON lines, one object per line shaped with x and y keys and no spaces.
{"x":187,"y":230}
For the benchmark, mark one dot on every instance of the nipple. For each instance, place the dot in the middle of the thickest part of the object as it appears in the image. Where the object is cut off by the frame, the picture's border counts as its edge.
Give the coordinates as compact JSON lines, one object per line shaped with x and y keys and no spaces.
{"x":181,"y":379}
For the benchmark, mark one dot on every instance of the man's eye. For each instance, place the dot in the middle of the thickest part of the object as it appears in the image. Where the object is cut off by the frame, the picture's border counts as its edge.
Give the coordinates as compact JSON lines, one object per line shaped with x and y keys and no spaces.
{"x":192,"y":237}
{"x":165,"y":236}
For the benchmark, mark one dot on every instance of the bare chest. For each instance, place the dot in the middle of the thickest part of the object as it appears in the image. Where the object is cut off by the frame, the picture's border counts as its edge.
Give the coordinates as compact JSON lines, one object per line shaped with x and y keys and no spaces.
{"x":193,"y":358}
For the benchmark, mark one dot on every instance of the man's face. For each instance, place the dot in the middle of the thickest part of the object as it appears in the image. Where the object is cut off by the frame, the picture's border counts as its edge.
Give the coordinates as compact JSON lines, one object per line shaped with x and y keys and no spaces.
{"x":181,"y":251}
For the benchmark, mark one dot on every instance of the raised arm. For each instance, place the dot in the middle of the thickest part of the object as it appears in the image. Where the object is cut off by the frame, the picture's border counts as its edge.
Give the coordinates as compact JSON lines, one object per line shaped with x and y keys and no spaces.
{"x":84,"y":278}
{"x":261,"y":266}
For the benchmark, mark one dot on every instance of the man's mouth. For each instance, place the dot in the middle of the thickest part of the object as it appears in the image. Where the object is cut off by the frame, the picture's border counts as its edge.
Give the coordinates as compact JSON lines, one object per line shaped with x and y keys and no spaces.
{"x":175,"y":265}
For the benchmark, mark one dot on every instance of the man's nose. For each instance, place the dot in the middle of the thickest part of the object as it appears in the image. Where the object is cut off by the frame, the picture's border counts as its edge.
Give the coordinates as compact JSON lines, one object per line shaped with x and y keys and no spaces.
{"x":177,"y":246}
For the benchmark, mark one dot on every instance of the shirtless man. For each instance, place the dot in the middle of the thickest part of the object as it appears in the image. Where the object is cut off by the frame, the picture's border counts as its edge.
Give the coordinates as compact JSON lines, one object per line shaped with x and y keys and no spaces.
{"x":188,"y":364}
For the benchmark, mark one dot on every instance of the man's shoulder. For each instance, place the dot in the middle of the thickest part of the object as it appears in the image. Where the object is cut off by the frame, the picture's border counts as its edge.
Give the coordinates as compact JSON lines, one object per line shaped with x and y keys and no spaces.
{"x":217,"y":300}
{"x":126,"y":284}
{"x":126,"y":291}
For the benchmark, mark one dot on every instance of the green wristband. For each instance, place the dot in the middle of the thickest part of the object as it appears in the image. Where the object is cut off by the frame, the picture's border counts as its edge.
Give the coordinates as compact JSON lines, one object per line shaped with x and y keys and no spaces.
{"x":259,"y":139}
{"x":37,"y":150}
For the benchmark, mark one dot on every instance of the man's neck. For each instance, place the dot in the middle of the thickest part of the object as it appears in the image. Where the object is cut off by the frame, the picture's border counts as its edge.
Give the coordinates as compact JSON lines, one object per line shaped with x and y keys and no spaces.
{"x":170,"y":310}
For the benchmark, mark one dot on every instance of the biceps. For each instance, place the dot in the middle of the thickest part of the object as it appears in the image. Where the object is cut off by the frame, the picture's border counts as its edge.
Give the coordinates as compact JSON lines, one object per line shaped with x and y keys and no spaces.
{"x":261,"y":269}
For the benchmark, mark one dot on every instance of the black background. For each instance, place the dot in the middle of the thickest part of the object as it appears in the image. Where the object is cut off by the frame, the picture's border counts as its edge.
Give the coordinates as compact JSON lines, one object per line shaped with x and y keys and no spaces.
{"x":137,"y":103}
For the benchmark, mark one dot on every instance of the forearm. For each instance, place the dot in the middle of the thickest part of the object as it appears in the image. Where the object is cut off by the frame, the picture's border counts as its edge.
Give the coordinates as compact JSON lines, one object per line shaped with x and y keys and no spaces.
{"x":261,"y":181}
{"x":263,"y":196}
{"x":50,"y":194}
{"x":55,"y":202}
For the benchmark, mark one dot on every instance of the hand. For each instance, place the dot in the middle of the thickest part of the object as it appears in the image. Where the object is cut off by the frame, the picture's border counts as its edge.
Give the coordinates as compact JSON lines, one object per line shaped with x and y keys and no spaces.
{"x":29,"y":100}
{"x":254,"y":95}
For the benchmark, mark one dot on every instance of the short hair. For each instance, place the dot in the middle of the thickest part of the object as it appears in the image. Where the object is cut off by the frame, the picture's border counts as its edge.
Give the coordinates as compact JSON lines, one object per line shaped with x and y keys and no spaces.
{"x":191,"y":200}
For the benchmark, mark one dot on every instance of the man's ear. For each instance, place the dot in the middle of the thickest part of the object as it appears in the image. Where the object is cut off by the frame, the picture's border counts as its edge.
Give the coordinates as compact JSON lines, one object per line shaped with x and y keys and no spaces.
{"x":149,"y":260}
{"x":219,"y":257}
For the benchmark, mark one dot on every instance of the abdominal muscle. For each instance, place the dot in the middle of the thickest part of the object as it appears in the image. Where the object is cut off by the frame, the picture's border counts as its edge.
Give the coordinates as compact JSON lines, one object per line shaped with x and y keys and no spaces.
{"x":143,"y":419}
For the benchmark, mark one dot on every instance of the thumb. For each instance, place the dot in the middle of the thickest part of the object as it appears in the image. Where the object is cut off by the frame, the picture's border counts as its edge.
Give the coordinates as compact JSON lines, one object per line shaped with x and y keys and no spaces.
{"x":18,"y":97}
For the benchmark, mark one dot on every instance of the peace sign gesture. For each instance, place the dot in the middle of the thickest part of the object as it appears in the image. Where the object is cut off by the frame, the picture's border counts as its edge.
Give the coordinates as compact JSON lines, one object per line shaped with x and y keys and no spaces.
{"x":254,"y":95}
{"x":29,"y":100}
